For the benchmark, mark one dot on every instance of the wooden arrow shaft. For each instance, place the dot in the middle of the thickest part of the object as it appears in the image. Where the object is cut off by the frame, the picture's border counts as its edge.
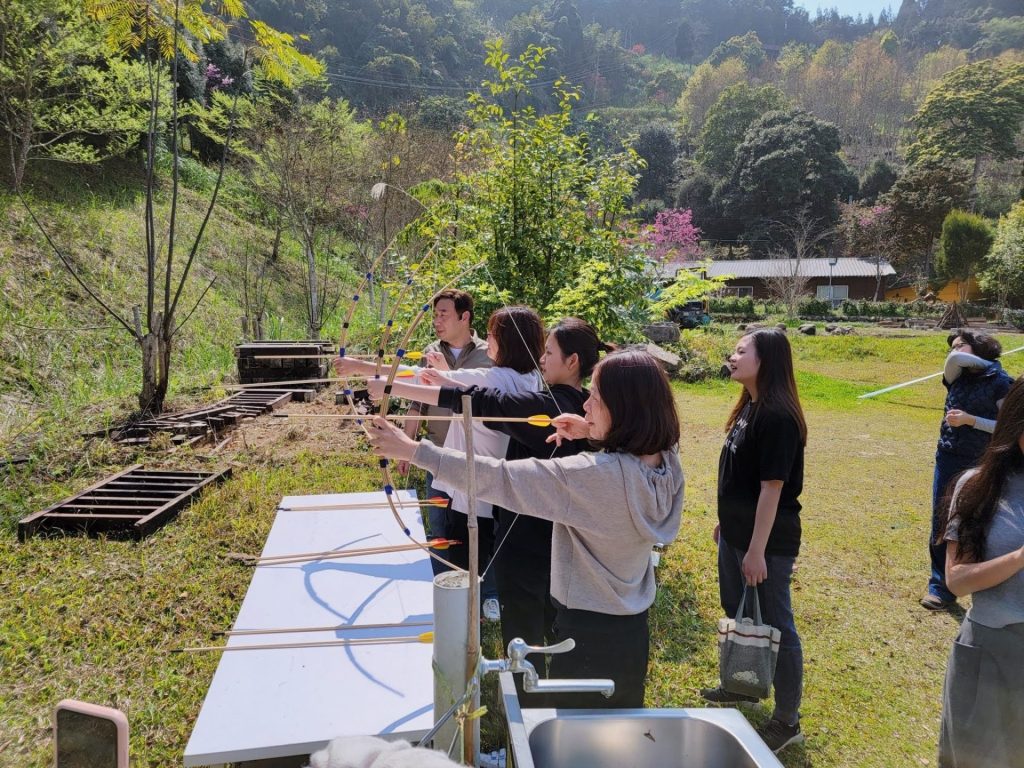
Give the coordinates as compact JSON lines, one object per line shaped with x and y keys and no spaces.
{"x":332,"y":554}
{"x":409,"y":417}
{"x":370,"y":505}
{"x":330,"y":628}
{"x":315,"y":644}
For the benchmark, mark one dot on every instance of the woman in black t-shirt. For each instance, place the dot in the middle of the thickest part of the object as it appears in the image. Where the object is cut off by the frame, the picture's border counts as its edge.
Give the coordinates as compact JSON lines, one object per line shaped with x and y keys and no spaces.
{"x":760,"y":476}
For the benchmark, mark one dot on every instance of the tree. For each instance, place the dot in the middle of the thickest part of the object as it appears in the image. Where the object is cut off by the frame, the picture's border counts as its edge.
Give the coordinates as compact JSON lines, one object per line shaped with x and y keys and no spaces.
{"x":539,"y":202}
{"x":865,"y":232}
{"x":1002,"y":270}
{"x":728,"y":120}
{"x":310,"y":165}
{"x":703,"y":89}
{"x":672,"y":235}
{"x":788,"y":161}
{"x":878,"y":179}
{"x":966,"y":239}
{"x":919,"y":201}
{"x":797,"y":238}
{"x":975,"y":113}
{"x":656,"y":146}
{"x":61,"y":98}
{"x":161,"y":33}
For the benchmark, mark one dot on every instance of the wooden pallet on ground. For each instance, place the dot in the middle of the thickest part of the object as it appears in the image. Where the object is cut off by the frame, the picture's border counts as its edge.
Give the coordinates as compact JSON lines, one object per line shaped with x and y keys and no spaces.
{"x":134,"y":502}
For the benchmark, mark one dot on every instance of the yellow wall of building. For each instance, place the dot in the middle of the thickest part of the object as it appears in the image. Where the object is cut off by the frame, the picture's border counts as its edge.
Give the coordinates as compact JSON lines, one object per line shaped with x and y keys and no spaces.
{"x":949,"y":292}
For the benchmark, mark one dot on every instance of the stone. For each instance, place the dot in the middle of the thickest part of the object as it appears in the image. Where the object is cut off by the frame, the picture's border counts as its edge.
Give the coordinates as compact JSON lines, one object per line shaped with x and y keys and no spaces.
{"x":830,"y":327}
{"x":808,"y":329}
{"x":669,"y":360}
{"x":781,"y":327}
{"x":662,"y":333}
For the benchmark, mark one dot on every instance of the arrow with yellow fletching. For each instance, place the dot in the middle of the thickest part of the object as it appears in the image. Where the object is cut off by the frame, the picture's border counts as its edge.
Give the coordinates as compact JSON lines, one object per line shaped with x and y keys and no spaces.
{"x":405,"y":373}
{"x":406,"y":356}
{"x":537,"y":420}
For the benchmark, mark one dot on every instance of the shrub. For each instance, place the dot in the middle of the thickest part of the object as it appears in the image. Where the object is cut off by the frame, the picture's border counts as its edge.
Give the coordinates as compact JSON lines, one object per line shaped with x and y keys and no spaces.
{"x":813,"y":307}
{"x":1014,"y":317}
{"x":733,"y":305}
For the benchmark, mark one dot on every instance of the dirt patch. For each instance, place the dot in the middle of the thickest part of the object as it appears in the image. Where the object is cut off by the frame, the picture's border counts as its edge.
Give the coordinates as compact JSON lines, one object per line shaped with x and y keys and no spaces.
{"x":281,"y":439}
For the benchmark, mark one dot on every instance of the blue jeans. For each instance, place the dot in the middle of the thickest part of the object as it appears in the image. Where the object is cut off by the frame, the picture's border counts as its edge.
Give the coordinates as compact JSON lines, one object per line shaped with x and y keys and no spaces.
{"x":947,"y":467}
{"x":776,"y":610}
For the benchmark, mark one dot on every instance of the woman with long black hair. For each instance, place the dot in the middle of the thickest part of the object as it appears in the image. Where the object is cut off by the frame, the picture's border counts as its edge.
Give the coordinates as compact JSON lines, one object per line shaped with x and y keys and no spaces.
{"x":608,"y":508}
{"x":760,"y":477}
{"x":983,"y":698}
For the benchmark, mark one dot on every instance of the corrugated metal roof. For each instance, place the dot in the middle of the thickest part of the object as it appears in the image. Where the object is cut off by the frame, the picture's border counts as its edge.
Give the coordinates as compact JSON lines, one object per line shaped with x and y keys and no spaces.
{"x":761,"y":268}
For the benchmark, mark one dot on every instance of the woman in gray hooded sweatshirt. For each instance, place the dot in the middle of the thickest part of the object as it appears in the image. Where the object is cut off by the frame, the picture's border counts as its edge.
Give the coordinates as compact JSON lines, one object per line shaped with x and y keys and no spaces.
{"x":608,"y":508}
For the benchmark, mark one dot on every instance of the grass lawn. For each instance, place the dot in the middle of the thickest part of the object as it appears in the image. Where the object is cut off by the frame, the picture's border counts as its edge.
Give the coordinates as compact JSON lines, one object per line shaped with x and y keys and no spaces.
{"x":95,"y":619}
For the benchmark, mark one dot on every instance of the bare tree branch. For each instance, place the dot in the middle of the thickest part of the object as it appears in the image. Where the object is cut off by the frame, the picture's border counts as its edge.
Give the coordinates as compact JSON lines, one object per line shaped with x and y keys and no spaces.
{"x":71,"y":269}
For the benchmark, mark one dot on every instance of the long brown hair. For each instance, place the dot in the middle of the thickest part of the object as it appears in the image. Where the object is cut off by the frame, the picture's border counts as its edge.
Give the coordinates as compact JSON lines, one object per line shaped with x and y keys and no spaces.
{"x":634,"y":388}
{"x":520,"y":333}
{"x":978,"y":496}
{"x":776,"y":383}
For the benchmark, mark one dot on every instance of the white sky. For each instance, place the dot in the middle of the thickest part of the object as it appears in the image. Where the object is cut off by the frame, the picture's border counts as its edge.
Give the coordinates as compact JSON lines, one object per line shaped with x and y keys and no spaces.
{"x":850,"y":7}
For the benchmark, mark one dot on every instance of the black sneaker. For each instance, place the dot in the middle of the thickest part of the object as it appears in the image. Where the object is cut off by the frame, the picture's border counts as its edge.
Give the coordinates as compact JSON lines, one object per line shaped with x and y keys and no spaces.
{"x":721,"y":696}
{"x":777,"y":735}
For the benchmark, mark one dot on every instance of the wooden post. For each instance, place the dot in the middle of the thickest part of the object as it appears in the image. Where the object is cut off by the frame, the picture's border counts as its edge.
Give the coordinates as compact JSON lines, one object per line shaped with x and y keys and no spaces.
{"x":470,"y":748}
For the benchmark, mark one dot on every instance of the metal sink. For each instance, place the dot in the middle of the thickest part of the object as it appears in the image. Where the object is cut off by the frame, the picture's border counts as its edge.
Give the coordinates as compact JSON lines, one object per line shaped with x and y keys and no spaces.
{"x":638,"y":738}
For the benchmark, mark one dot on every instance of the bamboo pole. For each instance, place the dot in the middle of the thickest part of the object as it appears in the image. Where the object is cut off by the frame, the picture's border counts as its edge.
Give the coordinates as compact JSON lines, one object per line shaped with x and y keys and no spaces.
{"x":918,"y":381}
{"x":470,"y":747}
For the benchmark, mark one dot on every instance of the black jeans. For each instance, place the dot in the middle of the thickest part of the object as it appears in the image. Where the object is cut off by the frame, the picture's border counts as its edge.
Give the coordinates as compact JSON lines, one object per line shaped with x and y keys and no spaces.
{"x":607,"y":646}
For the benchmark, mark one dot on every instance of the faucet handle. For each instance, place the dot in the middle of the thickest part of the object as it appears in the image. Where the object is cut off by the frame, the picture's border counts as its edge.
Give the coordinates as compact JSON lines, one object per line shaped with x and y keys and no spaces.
{"x":518,"y":649}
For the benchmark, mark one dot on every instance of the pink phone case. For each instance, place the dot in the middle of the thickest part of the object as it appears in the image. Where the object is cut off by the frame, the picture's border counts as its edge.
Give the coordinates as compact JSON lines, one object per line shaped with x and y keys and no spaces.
{"x":94,"y":710}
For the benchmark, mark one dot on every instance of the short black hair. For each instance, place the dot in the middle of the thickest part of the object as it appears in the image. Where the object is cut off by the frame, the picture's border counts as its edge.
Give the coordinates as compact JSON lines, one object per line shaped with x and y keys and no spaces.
{"x":634,"y":388}
{"x":463,"y":301}
{"x":983,"y":345}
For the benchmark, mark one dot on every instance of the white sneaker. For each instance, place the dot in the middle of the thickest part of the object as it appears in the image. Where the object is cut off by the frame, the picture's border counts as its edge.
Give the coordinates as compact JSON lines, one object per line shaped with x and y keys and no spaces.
{"x":491,"y":610}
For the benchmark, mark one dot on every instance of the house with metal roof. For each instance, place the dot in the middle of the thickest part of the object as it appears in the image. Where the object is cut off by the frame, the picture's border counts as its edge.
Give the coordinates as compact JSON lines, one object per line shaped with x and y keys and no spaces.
{"x":849,"y":278}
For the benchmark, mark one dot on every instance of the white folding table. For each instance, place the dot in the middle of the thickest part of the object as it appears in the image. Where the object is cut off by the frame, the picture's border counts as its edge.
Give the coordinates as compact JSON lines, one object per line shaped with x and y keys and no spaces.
{"x":280,"y":703}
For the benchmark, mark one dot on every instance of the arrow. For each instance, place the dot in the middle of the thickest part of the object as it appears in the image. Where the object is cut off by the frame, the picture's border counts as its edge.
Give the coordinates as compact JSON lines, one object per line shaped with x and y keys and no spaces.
{"x":537,"y":420}
{"x":337,"y":554}
{"x":407,"y":356}
{"x":331,"y":628}
{"x":433,"y":501}
{"x":426,"y":637}
{"x":405,"y":373}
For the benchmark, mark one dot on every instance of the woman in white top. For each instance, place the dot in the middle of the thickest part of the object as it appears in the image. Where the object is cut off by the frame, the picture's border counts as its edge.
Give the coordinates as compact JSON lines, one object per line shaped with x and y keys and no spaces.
{"x":515,"y":342}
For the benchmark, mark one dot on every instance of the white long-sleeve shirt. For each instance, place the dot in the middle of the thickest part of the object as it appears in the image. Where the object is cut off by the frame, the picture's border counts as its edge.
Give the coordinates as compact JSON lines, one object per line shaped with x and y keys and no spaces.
{"x":486,"y":442}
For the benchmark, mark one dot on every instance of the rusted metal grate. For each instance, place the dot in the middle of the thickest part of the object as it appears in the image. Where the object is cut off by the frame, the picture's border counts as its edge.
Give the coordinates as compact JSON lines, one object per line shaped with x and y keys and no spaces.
{"x":135,"y":501}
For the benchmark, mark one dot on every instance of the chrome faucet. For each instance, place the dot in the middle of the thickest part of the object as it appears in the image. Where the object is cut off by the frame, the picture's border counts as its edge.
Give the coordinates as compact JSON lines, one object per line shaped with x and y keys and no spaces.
{"x":518,"y":650}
